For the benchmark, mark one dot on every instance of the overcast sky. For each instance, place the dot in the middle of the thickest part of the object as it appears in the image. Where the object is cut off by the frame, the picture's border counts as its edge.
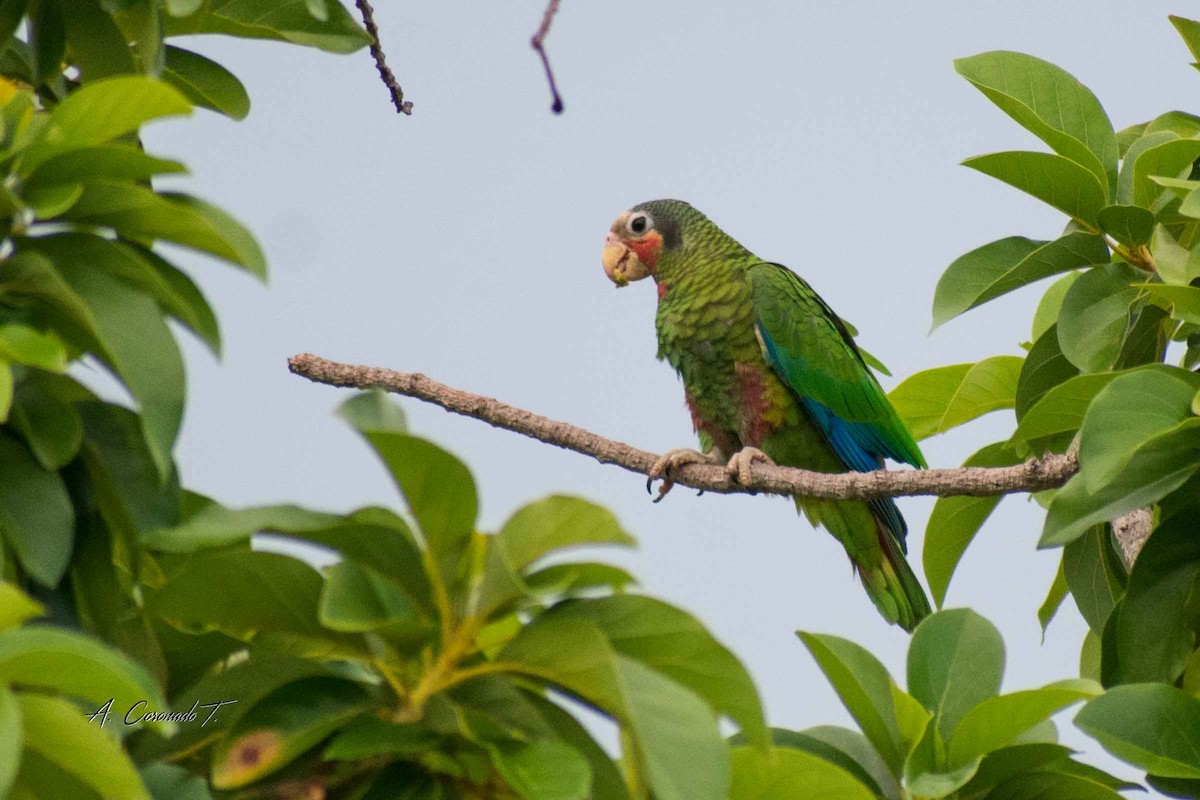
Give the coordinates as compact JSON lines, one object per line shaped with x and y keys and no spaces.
{"x":464,"y":242}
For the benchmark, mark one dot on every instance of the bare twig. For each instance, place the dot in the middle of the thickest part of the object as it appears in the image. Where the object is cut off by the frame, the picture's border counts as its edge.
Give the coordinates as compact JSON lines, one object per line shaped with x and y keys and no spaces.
{"x":385,"y":72}
{"x":538,"y":42}
{"x":1032,"y":476}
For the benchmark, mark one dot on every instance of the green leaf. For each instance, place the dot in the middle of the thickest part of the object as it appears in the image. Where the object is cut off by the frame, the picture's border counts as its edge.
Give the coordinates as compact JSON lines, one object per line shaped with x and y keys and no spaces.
{"x":115,"y":161}
{"x":1190,"y":31}
{"x":1156,"y":469}
{"x":543,"y":770}
{"x":16,"y":607}
{"x":865,"y":689}
{"x":141,"y":351}
{"x":1056,"y":181}
{"x":675,"y":644}
{"x":283,"y":725}
{"x":1129,"y":225}
{"x":936,"y":400}
{"x":10,"y":739}
{"x":56,"y":731}
{"x":997,"y":721}
{"x":1176,"y":265}
{"x":1147,"y":140}
{"x":1045,"y":367}
{"x":1002,"y":266}
{"x":100,"y":112}
{"x":22,"y":344}
{"x":578,"y":576}
{"x":1151,"y":725}
{"x":1094,"y":575}
{"x":1183,"y":301}
{"x":36,"y":517}
{"x":356,"y":598}
{"x":284,"y":20}
{"x":554,"y":523}
{"x":843,"y":748}
{"x":955,"y":662}
{"x":1050,"y":305}
{"x":30,"y":280}
{"x":955,"y":521}
{"x":1127,"y":413}
{"x":1151,"y":635}
{"x":678,"y":747}
{"x":139,"y":213}
{"x":1172,"y":159}
{"x":217,"y":526}
{"x":1054,"y":597}
{"x":49,"y":201}
{"x":369,"y":736}
{"x":785,"y":773}
{"x":47,"y":39}
{"x":97,"y":45}
{"x":1062,"y":409}
{"x":7,"y":388}
{"x":206,"y":83}
{"x":1051,"y":104}
{"x":373,"y":410}
{"x":171,"y":782}
{"x":1044,"y":783}
{"x":1095,"y":316}
{"x":56,"y":660}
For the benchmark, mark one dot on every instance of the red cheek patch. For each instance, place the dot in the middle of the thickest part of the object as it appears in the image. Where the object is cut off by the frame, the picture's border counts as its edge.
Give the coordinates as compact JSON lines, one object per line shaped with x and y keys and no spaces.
{"x":647,"y":249}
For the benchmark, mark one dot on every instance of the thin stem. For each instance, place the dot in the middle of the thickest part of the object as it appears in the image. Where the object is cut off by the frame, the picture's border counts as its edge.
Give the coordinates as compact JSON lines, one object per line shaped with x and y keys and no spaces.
{"x":539,"y":44}
{"x":385,"y":72}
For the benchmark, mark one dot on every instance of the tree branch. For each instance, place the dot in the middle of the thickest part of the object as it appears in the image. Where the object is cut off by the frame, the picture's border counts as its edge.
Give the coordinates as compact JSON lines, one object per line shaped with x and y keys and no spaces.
{"x":385,"y":72}
{"x":1034,"y":475}
{"x":539,"y":44}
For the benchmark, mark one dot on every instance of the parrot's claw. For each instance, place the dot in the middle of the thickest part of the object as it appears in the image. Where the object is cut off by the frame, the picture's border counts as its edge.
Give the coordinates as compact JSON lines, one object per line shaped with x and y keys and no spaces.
{"x":670,"y":461}
{"x":738,"y":467}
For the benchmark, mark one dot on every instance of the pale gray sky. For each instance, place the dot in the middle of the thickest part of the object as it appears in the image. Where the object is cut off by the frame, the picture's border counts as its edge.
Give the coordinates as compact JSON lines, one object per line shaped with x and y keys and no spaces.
{"x":464,"y":242}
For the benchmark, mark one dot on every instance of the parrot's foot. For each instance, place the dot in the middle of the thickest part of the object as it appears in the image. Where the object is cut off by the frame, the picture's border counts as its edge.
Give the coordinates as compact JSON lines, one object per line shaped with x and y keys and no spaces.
{"x":670,"y":461}
{"x":738,"y":467}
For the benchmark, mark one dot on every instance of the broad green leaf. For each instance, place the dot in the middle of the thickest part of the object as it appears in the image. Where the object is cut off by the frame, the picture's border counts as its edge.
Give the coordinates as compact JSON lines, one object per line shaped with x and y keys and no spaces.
{"x":100,"y":112}
{"x":1094,"y":576}
{"x":785,"y":773}
{"x":47,"y":39}
{"x":955,"y":521}
{"x":217,"y":526}
{"x":10,"y":738}
{"x":97,"y":45}
{"x":206,"y":83}
{"x":30,"y":280}
{"x":849,"y":750}
{"x":141,"y":351}
{"x":997,"y":721}
{"x":284,"y":20}
{"x":1129,"y":225}
{"x":1190,"y":31}
{"x":1183,"y":301}
{"x":1146,"y":342}
{"x":283,"y":725}
{"x":171,"y":782}
{"x":56,"y":660}
{"x":1125,"y":181}
{"x":1176,"y":265}
{"x":440,"y":493}
{"x":1127,"y":413}
{"x":678,"y":746}
{"x":578,"y":576}
{"x":373,"y":410}
{"x":1054,"y":597}
{"x":49,"y":201}
{"x":1046,"y":783}
{"x":1051,"y":104}
{"x":1062,"y":409}
{"x":56,"y":731}
{"x":865,"y":689}
{"x":370,"y":736}
{"x":674,"y":643}
{"x":936,"y":400}
{"x":1151,"y":634}
{"x":1046,"y":314}
{"x":48,"y":422}
{"x":356,"y":598}
{"x":1056,"y":181}
{"x":1095,"y":316}
{"x":926,"y":773}
{"x":37,"y":519}
{"x":1186,"y":125}
{"x":1151,"y":725}
{"x":554,"y":523}
{"x":21,"y":344}
{"x":1008,"y":264}
{"x":1045,"y":367}
{"x":139,"y":213}
{"x":16,"y":607}
{"x":543,"y":770}
{"x":1001,"y":765}
{"x":607,"y":781}
{"x":1172,"y":159}
{"x":1157,"y":468}
{"x":955,"y":662}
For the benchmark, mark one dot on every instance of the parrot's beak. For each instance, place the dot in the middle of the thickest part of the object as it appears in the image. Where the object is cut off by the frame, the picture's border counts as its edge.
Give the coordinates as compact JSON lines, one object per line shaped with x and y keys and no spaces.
{"x":621,"y":264}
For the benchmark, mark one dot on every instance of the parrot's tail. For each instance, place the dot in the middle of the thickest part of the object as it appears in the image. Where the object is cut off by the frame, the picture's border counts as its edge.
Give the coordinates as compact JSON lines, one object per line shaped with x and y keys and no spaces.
{"x":872,"y":534}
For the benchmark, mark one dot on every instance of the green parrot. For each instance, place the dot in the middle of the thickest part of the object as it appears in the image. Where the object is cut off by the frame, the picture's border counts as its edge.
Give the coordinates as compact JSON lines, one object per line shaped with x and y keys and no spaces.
{"x":771,"y":374}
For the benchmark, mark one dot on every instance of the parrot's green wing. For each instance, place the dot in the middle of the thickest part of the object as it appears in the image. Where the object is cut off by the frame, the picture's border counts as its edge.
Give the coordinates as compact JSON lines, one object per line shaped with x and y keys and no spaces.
{"x":812,"y":352}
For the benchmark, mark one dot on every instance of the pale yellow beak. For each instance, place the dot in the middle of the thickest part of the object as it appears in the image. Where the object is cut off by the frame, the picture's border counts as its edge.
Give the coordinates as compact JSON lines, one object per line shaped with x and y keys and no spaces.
{"x":621,"y":264}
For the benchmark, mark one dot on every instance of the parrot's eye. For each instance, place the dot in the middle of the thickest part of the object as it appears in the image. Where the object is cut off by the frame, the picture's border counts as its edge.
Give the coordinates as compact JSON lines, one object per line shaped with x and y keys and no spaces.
{"x":638,"y":223}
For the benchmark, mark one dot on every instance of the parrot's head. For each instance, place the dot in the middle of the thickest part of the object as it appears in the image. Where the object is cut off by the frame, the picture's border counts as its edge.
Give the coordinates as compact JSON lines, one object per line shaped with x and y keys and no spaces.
{"x":641,"y":237}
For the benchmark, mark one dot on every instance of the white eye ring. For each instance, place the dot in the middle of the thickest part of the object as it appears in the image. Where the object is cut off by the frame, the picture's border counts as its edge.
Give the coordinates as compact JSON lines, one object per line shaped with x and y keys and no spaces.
{"x":639,"y":223}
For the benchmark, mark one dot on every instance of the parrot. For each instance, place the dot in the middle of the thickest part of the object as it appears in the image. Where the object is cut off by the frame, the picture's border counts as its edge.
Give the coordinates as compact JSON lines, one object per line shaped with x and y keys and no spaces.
{"x":771,"y":374}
